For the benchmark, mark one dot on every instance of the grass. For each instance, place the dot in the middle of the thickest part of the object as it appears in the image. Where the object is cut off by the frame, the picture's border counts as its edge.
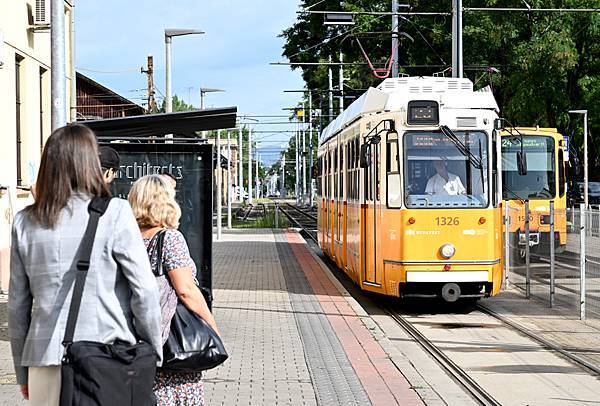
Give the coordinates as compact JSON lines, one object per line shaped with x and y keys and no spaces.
{"x":263,"y":221}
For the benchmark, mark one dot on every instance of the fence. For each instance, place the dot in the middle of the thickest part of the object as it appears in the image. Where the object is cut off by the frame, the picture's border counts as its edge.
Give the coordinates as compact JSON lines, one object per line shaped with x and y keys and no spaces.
{"x":564,"y":273}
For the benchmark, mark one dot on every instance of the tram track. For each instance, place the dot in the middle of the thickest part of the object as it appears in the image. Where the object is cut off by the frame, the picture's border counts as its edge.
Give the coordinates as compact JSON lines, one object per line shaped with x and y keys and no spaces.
{"x":476,"y":391}
{"x":479,"y":390}
{"x":307,"y":222}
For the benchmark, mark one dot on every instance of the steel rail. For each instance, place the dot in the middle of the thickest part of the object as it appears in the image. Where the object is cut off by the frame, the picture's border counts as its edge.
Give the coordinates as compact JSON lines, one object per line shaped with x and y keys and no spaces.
{"x":296,"y":222}
{"x":477,"y":392}
{"x":314,"y":218}
{"x":541,"y":340}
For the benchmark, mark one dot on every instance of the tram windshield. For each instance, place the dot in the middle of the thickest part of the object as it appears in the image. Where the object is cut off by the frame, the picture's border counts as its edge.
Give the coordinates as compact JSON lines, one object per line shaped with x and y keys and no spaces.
{"x":438,"y":174}
{"x":539,"y":182}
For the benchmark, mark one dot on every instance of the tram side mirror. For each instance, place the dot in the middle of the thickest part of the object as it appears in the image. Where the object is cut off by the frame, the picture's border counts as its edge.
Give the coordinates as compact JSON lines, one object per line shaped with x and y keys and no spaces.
{"x":365,"y":155}
{"x":522,"y":163}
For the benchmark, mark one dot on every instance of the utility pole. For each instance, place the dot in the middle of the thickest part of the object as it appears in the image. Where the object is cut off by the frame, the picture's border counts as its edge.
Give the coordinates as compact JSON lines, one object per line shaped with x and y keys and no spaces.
{"x":310,"y":148}
{"x":219,"y":181}
{"x":229,"y":180}
{"x":249,"y":164}
{"x":150,"y":74}
{"x":73,"y":110}
{"x":457,"y":46}
{"x":330,"y":91}
{"x":395,"y":39}
{"x":58,"y":60}
{"x":240,"y":164}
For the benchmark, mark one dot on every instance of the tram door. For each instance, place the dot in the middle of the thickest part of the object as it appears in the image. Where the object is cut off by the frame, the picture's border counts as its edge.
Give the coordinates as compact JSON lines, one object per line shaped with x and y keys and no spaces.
{"x":327,"y":201}
{"x":338,"y":201}
{"x":371,"y":216}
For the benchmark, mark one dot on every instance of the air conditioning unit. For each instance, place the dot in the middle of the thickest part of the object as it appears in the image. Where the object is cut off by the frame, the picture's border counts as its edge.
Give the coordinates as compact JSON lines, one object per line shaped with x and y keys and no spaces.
{"x":42,"y":13}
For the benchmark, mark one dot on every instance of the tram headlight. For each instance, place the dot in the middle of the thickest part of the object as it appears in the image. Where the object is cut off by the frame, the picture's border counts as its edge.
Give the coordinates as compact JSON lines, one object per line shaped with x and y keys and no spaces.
{"x":447,"y":251}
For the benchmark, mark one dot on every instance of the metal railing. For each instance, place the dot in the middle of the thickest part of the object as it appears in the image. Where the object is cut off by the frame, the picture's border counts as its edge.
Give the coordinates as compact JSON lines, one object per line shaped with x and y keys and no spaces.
{"x":538,"y":260}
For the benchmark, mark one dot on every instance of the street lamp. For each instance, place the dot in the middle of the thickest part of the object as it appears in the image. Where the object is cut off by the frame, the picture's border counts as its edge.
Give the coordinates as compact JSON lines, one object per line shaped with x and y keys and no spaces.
{"x":169,"y":34}
{"x":585,"y":154}
{"x":203,"y":91}
{"x":339,"y":19}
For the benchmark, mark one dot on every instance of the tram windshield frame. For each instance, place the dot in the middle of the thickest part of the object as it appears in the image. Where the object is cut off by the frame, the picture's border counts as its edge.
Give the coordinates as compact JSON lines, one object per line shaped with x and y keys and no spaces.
{"x":540,"y":181}
{"x":437,"y":174}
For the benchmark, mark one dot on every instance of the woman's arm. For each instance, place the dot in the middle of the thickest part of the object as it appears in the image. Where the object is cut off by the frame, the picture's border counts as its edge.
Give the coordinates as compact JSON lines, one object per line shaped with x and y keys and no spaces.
{"x":183,"y":282}
{"x":130,"y":253}
{"x":19,"y":308}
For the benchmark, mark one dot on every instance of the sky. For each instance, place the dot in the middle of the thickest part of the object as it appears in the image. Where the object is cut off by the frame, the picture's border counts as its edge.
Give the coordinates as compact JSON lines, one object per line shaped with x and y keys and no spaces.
{"x":114,"y":38}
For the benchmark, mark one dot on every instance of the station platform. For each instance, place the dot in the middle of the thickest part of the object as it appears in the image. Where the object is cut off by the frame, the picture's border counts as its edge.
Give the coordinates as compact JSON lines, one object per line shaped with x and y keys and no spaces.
{"x":293,"y":333}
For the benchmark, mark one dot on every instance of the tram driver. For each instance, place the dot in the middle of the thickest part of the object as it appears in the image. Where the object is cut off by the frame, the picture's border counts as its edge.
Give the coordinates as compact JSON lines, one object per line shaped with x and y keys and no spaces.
{"x":444,"y":182}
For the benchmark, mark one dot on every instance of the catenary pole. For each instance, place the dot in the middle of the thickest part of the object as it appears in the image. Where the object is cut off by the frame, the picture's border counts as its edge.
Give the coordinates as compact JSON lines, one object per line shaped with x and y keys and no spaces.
{"x":297,"y":162}
{"x":240,"y":164}
{"x":229,"y":197}
{"x":249,"y":164}
{"x":330,"y":72}
{"x":457,"y":48}
{"x":341,"y":84}
{"x":394,"y":39}
{"x":256,"y":176}
{"x":303,"y":132}
{"x":310,"y":148}
{"x":58,"y":60}
{"x":282,"y":185}
{"x":219,"y":183}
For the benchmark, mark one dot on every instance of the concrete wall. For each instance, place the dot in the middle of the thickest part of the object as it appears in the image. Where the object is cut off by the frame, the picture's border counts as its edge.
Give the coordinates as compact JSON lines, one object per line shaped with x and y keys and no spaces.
{"x":17,"y":39}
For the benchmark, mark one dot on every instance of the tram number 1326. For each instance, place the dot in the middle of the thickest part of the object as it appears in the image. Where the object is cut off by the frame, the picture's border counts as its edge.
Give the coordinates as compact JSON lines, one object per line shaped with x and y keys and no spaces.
{"x":447,"y":221}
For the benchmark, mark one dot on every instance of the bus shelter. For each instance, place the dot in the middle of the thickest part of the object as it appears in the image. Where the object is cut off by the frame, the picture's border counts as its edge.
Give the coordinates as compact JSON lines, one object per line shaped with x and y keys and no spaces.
{"x":169,"y":142}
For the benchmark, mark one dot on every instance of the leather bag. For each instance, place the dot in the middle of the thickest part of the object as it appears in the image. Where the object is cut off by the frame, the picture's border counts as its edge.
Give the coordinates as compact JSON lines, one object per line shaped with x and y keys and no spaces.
{"x":98,"y":374}
{"x":192,"y":345}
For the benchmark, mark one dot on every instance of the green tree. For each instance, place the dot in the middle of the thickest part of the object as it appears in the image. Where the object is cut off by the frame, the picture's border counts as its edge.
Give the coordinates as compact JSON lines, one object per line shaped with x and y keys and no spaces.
{"x":177,"y":105}
{"x":539,"y":65}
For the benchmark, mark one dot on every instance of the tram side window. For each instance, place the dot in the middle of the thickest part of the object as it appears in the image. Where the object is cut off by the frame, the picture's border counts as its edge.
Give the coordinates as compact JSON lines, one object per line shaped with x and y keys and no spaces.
{"x":341,"y":172}
{"x":439,"y":173}
{"x":394,"y":198}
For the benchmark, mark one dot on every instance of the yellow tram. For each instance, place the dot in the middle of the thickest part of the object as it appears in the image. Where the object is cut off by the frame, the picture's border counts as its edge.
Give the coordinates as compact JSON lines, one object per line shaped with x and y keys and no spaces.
{"x":409,"y":183}
{"x":542,"y":181}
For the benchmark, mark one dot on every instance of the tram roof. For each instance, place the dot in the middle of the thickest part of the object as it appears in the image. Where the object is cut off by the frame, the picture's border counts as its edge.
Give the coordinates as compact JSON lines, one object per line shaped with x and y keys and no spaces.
{"x":393,"y":95}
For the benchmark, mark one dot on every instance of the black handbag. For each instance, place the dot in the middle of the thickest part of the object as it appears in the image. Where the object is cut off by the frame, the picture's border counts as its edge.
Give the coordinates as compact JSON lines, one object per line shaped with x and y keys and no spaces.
{"x":192,"y":345}
{"x":98,"y":374}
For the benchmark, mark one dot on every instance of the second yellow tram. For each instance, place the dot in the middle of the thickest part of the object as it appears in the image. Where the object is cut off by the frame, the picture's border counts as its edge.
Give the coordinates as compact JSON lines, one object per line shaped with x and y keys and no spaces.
{"x":409,"y":182}
{"x":543,"y":181}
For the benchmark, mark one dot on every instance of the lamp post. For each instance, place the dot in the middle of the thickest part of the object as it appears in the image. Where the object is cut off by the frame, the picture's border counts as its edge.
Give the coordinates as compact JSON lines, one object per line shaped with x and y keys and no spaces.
{"x":203,"y":91}
{"x":585,"y":154}
{"x":169,"y":34}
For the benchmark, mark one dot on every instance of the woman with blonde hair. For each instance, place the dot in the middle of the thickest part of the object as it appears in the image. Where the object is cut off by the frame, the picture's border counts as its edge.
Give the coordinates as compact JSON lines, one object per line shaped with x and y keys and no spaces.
{"x":120,"y":291}
{"x":152,"y":199}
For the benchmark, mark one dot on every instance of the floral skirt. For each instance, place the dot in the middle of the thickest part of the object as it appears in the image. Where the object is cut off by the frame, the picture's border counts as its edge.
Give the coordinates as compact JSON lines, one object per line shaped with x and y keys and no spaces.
{"x":178,"y":388}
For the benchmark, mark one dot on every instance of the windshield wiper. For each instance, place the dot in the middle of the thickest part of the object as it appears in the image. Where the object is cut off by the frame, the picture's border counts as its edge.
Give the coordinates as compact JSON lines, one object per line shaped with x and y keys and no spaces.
{"x":462,"y":148}
{"x":514,"y":194}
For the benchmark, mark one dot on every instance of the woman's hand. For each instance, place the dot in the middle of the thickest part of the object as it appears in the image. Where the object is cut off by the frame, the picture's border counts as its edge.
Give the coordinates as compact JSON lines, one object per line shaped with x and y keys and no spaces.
{"x":25,"y":391}
{"x":183,"y":282}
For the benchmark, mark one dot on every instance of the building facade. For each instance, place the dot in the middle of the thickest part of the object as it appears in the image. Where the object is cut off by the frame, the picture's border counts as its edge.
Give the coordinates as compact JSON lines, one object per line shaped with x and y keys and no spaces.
{"x":95,"y":101}
{"x":24,"y":104}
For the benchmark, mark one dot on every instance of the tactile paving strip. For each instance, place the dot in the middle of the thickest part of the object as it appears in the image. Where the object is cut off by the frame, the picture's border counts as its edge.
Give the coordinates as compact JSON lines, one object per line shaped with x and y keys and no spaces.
{"x":333,"y":377}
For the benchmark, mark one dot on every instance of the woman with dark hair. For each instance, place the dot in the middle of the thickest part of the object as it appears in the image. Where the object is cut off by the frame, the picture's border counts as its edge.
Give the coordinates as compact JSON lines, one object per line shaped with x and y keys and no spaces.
{"x":120,"y":299}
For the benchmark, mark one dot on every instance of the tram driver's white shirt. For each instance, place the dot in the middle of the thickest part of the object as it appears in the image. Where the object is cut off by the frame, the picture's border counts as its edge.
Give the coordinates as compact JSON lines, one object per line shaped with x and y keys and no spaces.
{"x":436,"y":185}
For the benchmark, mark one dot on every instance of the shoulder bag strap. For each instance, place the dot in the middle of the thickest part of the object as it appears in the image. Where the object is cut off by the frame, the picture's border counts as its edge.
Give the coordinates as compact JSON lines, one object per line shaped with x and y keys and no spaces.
{"x":156,"y":245}
{"x":96,"y":208}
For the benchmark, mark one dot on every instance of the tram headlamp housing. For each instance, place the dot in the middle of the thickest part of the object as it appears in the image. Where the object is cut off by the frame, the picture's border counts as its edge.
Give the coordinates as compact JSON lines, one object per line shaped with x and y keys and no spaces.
{"x":423,"y":112}
{"x":447,"y":251}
